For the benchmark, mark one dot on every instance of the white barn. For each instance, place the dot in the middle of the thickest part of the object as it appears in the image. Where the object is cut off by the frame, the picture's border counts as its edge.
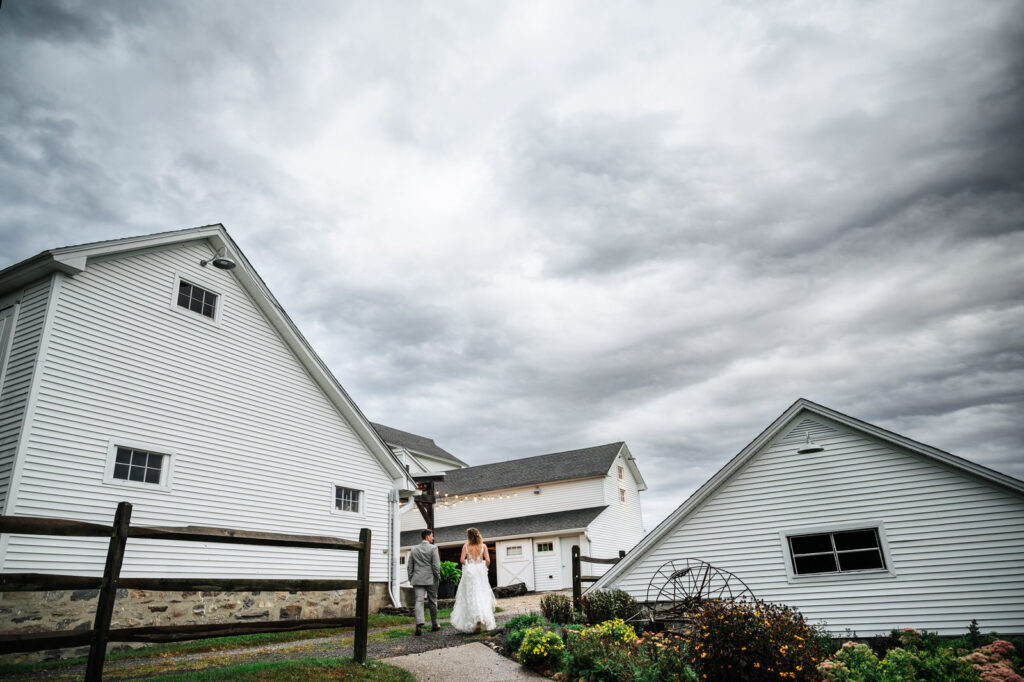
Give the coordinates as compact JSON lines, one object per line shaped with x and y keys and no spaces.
{"x":138,"y":369}
{"x":531,"y":511}
{"x":862,"y":528}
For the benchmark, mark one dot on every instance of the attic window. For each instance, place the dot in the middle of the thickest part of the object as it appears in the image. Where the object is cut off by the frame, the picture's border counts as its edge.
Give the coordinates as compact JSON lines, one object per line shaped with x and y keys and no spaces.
{"x":622,"y":474}
{"x":836,"y":552}
{"x":197,"y":299}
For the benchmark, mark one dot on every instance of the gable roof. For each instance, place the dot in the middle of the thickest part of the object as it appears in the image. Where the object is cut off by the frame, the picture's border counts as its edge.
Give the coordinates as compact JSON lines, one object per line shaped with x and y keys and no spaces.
{"x":557,"y":466}
{"x":416,"y":444}
{"x":553,"y":522}
{"x":72,"y":260}
{"x":801,"y":408}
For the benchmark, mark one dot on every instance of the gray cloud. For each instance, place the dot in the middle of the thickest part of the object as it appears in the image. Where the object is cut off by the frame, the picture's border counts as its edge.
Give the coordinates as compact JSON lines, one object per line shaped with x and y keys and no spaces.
{"x":525,"y":229}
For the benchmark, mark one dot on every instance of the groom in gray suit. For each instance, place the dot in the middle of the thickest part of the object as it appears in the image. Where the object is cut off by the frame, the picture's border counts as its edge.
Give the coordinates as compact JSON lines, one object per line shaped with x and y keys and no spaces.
{"x":424,"y":574}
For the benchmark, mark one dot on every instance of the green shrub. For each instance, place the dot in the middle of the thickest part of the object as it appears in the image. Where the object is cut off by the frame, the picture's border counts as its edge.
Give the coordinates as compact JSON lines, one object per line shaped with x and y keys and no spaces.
{"x":515,"y":630}
{"x":541,"y":649}
{"x":922,"y":656}
{"x":557,"y":608}
{"x":663,"y":657}
{"x":607,"y":605}
{"x":524,"y":621}
{"x":739,"y":640}
{"x":610,"y":652}
{"x":450,"y":572}
{"x":593,"y":655}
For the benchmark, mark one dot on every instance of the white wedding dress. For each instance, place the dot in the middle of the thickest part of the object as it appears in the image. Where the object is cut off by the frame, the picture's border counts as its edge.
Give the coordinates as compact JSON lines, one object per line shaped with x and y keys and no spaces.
{"x":474,"y":601}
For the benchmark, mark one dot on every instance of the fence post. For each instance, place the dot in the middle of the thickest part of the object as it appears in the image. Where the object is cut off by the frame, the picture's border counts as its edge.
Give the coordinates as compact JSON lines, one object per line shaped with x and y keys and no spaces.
{"x":108,"y":593}
{"x":577,"y":584}
{"x":362,"y":598}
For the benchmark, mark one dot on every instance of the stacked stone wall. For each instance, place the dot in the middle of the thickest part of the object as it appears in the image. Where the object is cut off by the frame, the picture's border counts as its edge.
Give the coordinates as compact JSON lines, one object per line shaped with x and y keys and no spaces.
{"x":75,"y":609}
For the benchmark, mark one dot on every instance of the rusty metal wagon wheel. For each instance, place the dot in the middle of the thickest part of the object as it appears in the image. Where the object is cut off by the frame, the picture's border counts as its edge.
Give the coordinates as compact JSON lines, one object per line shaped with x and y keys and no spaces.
{"x":680,"y":586}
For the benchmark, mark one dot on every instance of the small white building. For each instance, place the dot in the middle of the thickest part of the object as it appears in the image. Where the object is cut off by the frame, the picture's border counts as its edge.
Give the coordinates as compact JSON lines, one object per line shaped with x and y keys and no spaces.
{"x":161,"y":370}
{"x":532,"y":511}
{"x":861,"y":528}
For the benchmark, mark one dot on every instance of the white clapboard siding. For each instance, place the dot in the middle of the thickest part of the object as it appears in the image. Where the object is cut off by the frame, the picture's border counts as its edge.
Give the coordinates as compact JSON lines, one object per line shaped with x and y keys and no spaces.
{"x":618,"y":527}
{"x":17,"y":377}
{"x":955,"y":541}
{"x":511,"y":503}
{"x":256,"y":444}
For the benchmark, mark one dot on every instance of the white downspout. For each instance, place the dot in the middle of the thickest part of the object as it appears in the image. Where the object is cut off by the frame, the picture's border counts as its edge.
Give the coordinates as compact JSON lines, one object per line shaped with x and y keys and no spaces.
{"x":394,"y":531}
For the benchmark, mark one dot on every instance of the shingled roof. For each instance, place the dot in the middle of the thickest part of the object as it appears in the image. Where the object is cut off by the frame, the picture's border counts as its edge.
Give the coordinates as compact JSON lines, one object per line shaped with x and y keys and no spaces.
{"x":410,"y":441}
{"x":573,"y":519}
{"x":558,"y":466}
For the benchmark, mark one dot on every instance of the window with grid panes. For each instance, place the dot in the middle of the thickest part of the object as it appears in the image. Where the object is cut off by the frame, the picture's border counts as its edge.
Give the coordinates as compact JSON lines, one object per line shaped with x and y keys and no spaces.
{"x":138,"y":465}
{"x":346,"y":499}
{"x":197,"y":299}
{"x":836,"y":552}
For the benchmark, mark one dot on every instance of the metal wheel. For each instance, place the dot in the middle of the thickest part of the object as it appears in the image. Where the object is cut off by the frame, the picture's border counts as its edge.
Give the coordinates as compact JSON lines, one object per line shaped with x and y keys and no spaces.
{"x":681,"y":585}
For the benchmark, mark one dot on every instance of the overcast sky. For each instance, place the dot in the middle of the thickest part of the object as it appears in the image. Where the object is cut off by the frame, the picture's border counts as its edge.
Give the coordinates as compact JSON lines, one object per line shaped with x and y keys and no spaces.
{"x":525,"y":227}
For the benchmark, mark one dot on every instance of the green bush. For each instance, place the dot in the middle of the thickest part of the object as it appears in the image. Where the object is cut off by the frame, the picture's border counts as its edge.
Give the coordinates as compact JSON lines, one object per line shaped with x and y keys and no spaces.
{"x":925,"y":656}
{"x":450,"y":572}
{"x":610,"y":652}
{"x":740,"y":640}
{"x":541,"y":649}
{"x":515,"y":630}
{"x":527,"y":620}
{"x":557,"y":608}
{"x":607,"y":605}
{"x":858,"y":663}
{"x":664,"y":657}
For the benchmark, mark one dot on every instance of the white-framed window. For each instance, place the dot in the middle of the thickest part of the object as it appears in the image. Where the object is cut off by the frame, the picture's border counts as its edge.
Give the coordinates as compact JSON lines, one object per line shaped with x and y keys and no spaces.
{"x":622,"y":474}
{"x":138,"y":465}
{"x":348,"y":501}
{"x":838,"y":552}
{"x":622,"y":494}
{"x":196,"y":300}
{"x":514,"y":550}
{"x":545,"y":547}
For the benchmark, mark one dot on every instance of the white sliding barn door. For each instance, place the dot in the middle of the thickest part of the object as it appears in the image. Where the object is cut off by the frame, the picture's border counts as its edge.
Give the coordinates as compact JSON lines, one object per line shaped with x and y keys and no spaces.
{"x":515,"y":562}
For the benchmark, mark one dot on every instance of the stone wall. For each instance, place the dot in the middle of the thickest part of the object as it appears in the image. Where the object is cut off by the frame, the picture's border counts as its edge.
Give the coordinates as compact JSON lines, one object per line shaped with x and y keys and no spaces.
{"x":76,"y":609}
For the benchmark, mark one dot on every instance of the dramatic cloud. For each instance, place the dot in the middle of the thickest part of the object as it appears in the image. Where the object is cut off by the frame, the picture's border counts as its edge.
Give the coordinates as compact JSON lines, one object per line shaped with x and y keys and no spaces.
{"x":526,"y":227}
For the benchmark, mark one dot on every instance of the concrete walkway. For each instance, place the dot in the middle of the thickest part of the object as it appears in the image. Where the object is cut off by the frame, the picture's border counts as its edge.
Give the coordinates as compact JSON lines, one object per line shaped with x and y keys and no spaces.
{"x":474,"y":661}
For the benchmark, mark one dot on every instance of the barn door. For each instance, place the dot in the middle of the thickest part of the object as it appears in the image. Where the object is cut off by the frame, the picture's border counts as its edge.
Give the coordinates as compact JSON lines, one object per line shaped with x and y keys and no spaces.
{"x":515,"y":562}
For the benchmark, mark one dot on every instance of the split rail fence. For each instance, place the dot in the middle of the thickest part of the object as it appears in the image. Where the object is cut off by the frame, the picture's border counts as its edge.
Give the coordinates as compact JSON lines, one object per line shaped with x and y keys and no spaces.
{"x":108,"y":585}
{"x":578,"y":579}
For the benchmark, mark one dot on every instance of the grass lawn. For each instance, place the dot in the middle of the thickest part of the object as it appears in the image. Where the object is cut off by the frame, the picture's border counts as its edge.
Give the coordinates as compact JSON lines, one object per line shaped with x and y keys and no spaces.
{"x":301,"y":670}
{"x":392,"y":623}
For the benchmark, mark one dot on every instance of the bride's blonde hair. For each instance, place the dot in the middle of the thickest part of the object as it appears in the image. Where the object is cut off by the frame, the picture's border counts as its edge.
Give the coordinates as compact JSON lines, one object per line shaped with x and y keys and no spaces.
{"x":473,"y":536}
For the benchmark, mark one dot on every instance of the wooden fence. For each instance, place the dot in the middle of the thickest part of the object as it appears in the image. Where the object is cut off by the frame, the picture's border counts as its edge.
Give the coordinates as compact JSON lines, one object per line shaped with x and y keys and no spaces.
{"x":578,"y":579}
{"x":100,"y":634}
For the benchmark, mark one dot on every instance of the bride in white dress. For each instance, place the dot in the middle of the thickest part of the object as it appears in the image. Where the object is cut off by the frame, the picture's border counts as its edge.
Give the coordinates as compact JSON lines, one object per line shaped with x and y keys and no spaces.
{"x":474,"y":601}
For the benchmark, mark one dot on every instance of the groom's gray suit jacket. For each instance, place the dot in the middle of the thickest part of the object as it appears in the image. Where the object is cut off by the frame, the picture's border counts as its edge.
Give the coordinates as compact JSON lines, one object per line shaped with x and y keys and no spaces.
{"x":424,"y":565}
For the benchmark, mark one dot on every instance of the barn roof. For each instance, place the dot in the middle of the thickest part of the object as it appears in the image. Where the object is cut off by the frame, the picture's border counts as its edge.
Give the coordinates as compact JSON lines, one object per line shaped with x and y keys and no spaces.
{"x":557,"y":466}
{"x":554,"y":522}
{"x":415,"y":443}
